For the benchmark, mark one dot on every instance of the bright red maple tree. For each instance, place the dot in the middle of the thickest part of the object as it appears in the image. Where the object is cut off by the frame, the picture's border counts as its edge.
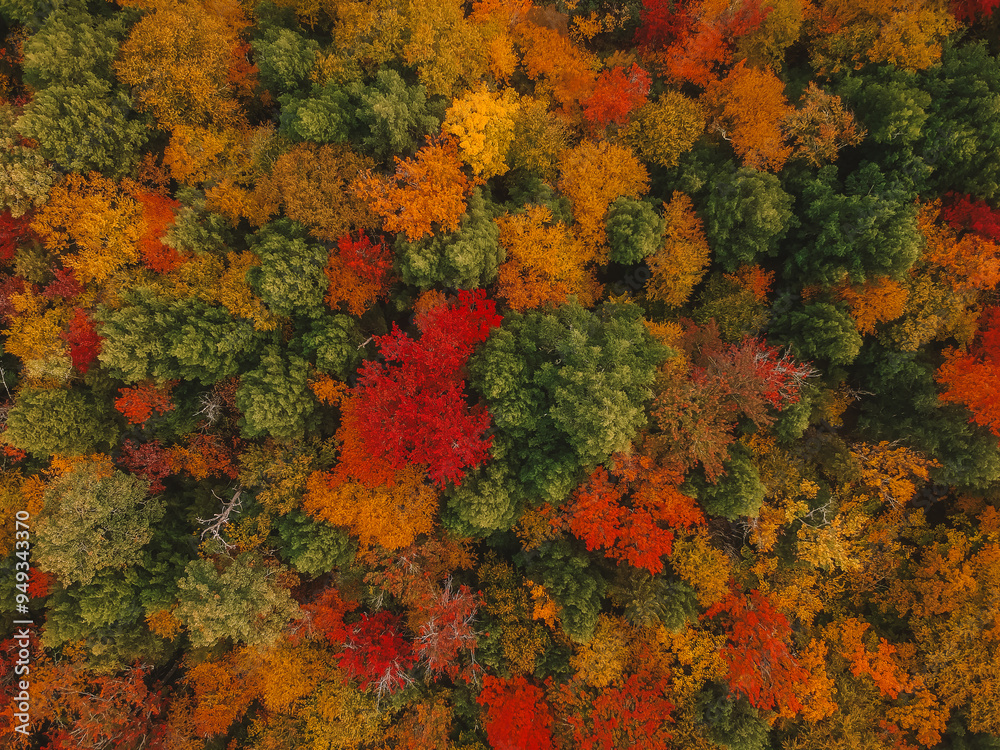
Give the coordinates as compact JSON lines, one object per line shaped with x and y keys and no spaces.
{"x":617,"y":94}
{"x":83,"y":340}
{"x":963,"y":212}
{"x":376,"y":652}
{"x":758,"y":653}
{"x":517,"y":714}
{"x":412,"y":409}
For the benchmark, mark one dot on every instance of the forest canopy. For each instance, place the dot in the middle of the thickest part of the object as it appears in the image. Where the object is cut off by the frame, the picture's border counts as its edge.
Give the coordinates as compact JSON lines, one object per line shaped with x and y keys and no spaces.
{"x":432,"y":374}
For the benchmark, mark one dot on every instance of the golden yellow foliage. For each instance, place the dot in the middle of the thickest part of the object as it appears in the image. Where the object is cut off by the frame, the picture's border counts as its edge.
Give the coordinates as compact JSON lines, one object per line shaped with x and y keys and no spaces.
{"x":602,"y":661}
{"x":663,"y":130}
{"x":682,"y":260}
{"x":483,"y":123}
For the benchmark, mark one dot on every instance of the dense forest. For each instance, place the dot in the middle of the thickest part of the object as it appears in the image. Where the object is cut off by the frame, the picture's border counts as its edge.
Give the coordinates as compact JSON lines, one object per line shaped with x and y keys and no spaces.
{"x":435,"y":374}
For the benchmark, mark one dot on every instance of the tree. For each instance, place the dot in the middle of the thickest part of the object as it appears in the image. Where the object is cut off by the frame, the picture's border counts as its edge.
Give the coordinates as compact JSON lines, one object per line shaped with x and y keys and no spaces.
{"x":739,"y":492}
{"x":290,"y":278}
{"x":359,"y":272}
{"x":138,"y":403}
{"x":567,"y":388}
{"x":517,"y":714}
{"x":25,"y":175}
{"x":46,"y":421}
{"x":275,"y":398}
{"x":748,"y":108}
{"x":634,"y":230}
{"x":820,"y":127}
{"x":198,"y":71}
{"x":411,"y":409}
{"x":94,"y":520}
{"x":617,"y":93}
{"x":746,"y":215}
{"x":376,"y":653}
{"x":312,"y":183}
{"x":81,"y":120}
{"x":545,"y":261}
{"x":680,"y":262}
{"x":239,"y":598}
{"x":970,"y":378}
{"x":757,"y":652}
{"x":467,"y":258}
{"x":821,"y":331}
{"x":313,"y":547}
{"x":661,"y":131}
{"x":483,"y":123}
{"x":575,"y":585}
{"x":426,"y":190}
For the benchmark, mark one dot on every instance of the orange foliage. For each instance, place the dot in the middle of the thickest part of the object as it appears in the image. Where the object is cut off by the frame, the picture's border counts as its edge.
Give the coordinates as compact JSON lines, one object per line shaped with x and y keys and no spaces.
{"x":429,"y":189}
{"x":879,"y":664}
{"x":203,"y":456}
{"x":158,"y":214}
{"x":200,"y":62}
{"x":969,"y":263}
{"x":359,"y":274}
{"x":877,"y":300}
{"x":748,"y":108}
{"x":679,"y":264}
{"x":138,"y":402}
{"x":821,"y":127}
{"x":557,"y":66}
{"x":545,"y":262}
{"x":753,"y":279}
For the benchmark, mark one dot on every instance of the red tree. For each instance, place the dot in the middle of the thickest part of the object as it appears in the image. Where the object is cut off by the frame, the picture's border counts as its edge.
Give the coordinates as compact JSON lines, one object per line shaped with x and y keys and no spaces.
{"x":517,"y":715}
{"x":972,"y":378}
{"x":632,"y":712}
{"x":758,"y":653}
{"x":970,"y":11}
{"x":151,"y":461}
{"x":662,"y":22}
{"x":83,"y":340}
{"x":446,"y":628}
{"x":618,"y":93}
{"x":138,"y":402}
{"x":64,"y":285}
{"x":13,"y":232}
{"x":412,"y":410}
{"x":158,"y":215}
{"x":965,"y":213}
{"x":376,"y":653}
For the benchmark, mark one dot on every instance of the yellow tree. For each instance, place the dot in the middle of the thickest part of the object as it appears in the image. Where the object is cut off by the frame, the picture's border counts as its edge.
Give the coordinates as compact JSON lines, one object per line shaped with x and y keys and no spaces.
{"x":663,"y":130}
{"x":592,"y":175}
{"x":683,"y":258}
{"x":483,"y":123}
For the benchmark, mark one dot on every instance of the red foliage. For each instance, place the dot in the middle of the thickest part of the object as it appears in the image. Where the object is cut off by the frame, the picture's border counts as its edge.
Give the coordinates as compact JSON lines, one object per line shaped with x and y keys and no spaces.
{"x":964,"y":213}
{"x":411,"y":410}
{"x":970,"y":11}
{"x":9,"y":286}
{"x":324,"y":618}
{"x":83,"y":339}
{"x":65,"y":285}
{"x":39,"y":583}
{"x":371,"y":262}
{"x":158,"y":215}
{"x":617,"y":94}
{"x":973,"y":378}
{"x":702,"y":55}
{"x":760,"y":376}
{"x":630,"y":516}
{"x":517,"y":715}
{"x":446,"y":628}
{"x":634,"y":712}
{"x":14,"y":232}
{"x":137,"y":403}
{"x":376,"y":653}
{"x":151,"y":461}
{"x":757,"y":652}
{"x":663,"y":22}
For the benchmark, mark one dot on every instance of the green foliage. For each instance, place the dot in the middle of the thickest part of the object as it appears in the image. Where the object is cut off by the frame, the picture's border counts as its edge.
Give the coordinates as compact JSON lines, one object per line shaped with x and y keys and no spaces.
{"x":46,"y":421}
{"x":488,"y":500}
{"x":91,"y":523}
{"x":732,"y":723}
{"x":158,"y":339}
{"x":197,"y":230}
{"x":290,"y":278}
{"x":962,"y":134}
{"x":739,"y":492}
{"x":866,"y":230}
{"x":746,"y":214}
{"x":313,"y":547}
{"x":820,"y":331}
{"x":83,"y":121}
{"x":333,"y":343}
{"x":566,"y":387}
{"x":284,"y":59}
{"x":634,"y":230}
{"x":574,"y":583}
{"x":239,"y":599}
{"x":465,"y":259}
{"x":275,"y":397}
{"x":25,"y":176}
